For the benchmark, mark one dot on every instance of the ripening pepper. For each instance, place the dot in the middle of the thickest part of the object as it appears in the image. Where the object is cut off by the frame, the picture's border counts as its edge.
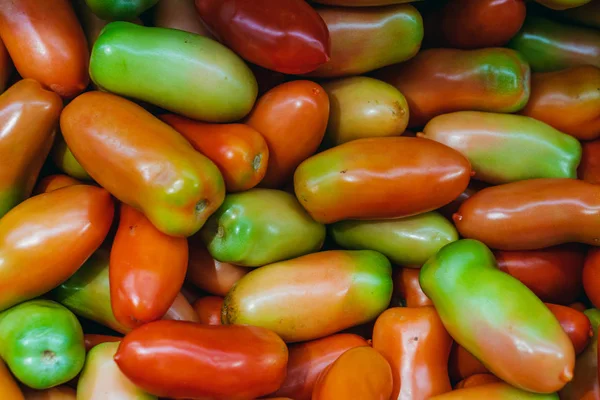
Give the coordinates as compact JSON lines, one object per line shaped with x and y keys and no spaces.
{"x":470,"y":295}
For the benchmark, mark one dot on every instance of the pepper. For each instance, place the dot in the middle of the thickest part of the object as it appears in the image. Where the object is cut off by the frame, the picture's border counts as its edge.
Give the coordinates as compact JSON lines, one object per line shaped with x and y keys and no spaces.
{"x":46,"y":43}
{"x":29,"y":118}
{"x":416,"y":345}
{"x":568,"y":100}
{"x":468,"y":291}
{"x":153,"y":168}
{"x":245,"y":232}
{"x":307,"y":360}
{"x":312,"y":296}
{"x":364,"y":107}
{"x":440,"y":81}
{"x":405,"y":241}
{"x":52,"y":235}
{"x":552,"y":46}
{"x":535,"y":214}
{"x":370,"y":179}
{"x":179,"y":71}
{"x":505,"y":148}
{"x":287,"y":36}
{"x":42,"y":343}
{"x":360,"y":373}
{"x":185,"y":359}
{"x":364,"y":39}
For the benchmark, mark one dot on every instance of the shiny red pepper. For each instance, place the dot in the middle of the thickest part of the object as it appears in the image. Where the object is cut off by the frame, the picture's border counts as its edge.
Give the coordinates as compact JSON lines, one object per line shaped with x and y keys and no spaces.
{"x":285,"y":35}
{"x":185,"y":359}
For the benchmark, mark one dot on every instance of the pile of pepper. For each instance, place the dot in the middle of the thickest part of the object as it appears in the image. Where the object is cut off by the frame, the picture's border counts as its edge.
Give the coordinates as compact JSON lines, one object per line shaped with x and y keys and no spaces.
{"x":290,"y":199}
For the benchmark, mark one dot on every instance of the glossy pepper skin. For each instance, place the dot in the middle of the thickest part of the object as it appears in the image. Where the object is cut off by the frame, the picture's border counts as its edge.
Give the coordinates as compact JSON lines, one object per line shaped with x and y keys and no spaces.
{"x":46,"y":43}
{"x":416,"y":345}
{"x":87,"y":292}
{"x":562,"y":4}
{"x":29,"y":118}
{"x":239,"y":151}
{"x":589,"y":167}
{"x":478,"y":321}
{"x":591,"y":276}
{"x":101,"y":378}
{"x":532,"y":214}
{"x":364,"y":39}
{"x":54,"y":182}
{"x":65,"y":161}
{"x":494,"y":391}
{"x":440,"y":81}
{"x":506,"y":148}
{"x":359,"y":373}
{"x":180,"y":14}
{"x":551,"y":46}
{"x":6,"y":67}
{"x":287,"y":36}
{"x":584,"y":385}
{"x":307,"y":360}
{"x":183,"y":360}
{"x":301,"y":110}
{"x":408,"y":288}
{"x":119,"y":9}
{"x":147,"y":269}
{"x":185,"y":73}
{"x":554,"y":274}
{"x":476,"y":24}
{"x":42,"y":343}
{"x":143,"y":162}
{"x":210,"y":275}
{"x":575,"y":324}
{"x":37,"y":234}
{"x":9,"y":389}
{"x":364,"y":107}
{"x":568,"y":100}
{"x":405,"y":241}
{"x":209,"y":309}
{"x":261,"y":226}
{"x":369,"y":179}
{"x":312,"y":296}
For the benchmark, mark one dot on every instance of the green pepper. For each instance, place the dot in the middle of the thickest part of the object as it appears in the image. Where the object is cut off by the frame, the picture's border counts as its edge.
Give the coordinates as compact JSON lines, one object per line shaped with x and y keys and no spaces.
{"x":87,"y":292}
{"x":42,"y":343}
{"x":111,"y":10}
{"x":261,"y":226}
{"x":186,"y":73}
{"x":552,"y":46}
{"x":405,"y":241}
{"x":504,"y":148}
{"x":497,"y":318}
